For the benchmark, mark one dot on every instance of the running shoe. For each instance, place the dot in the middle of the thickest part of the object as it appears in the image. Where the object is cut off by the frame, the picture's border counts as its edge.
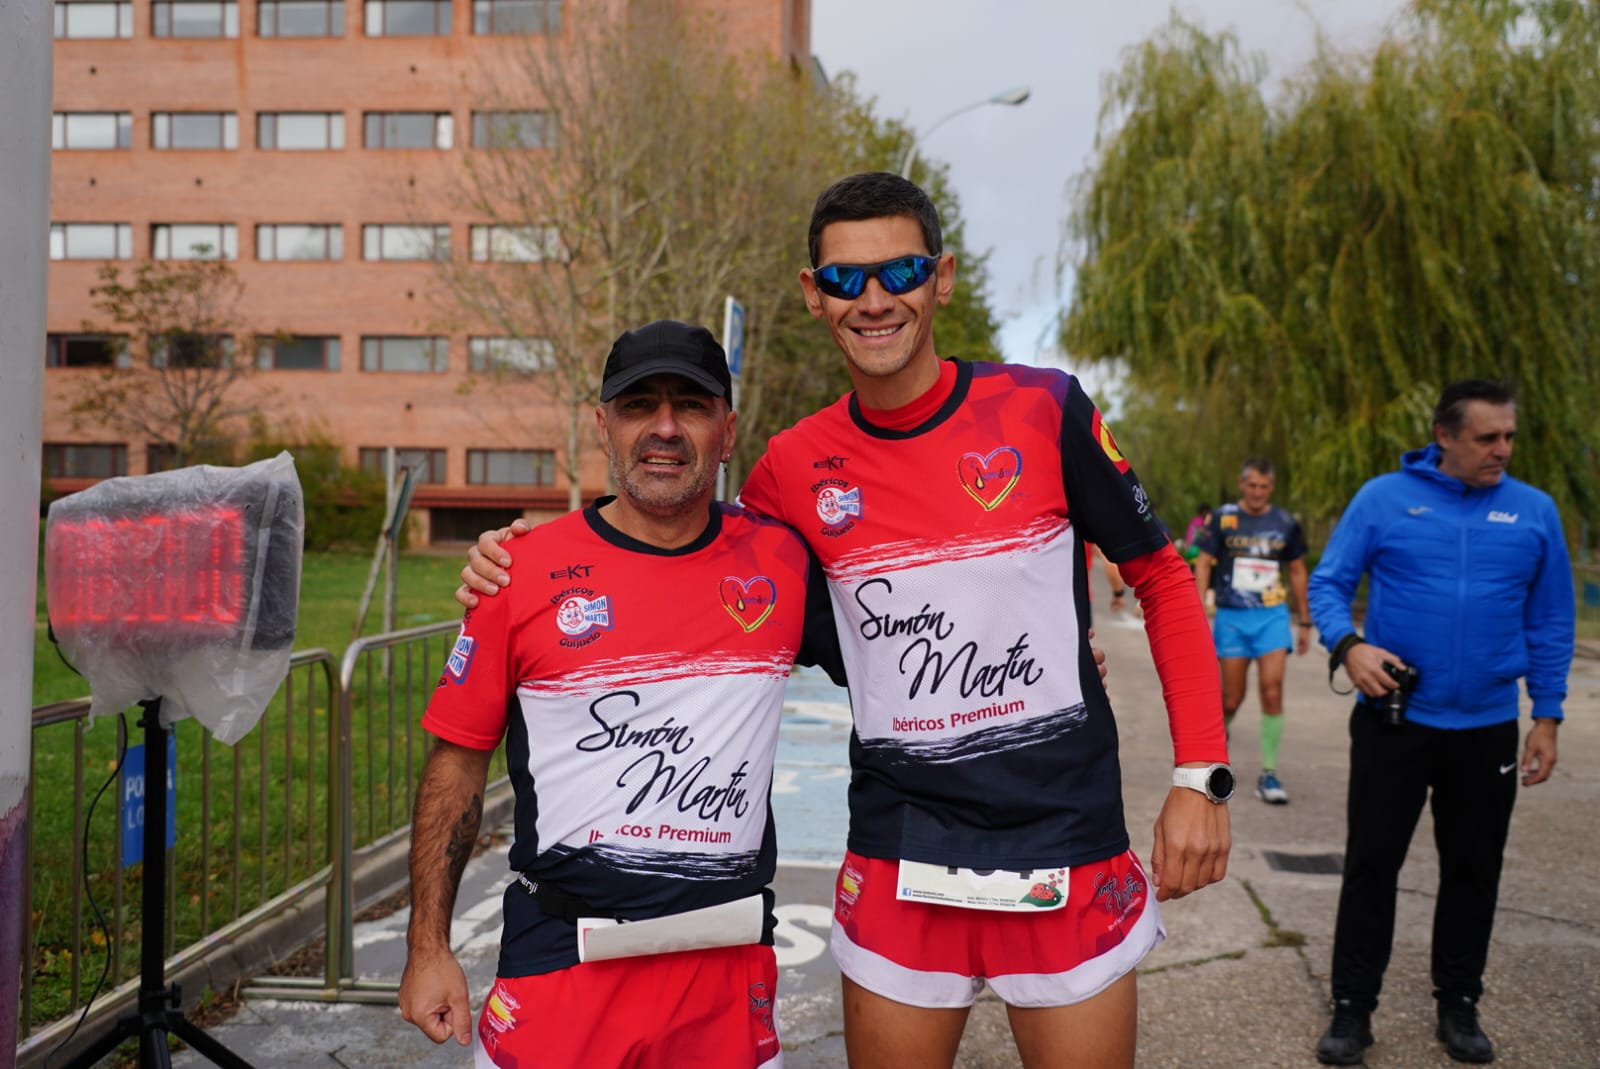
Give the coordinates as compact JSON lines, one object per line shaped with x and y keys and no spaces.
{"x":1270,"y":791}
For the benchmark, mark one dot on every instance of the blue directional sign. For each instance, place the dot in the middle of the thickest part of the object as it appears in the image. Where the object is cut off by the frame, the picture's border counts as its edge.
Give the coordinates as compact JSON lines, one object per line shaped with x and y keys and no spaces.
{"x":133,"y":789}
{"x":733,"y":335}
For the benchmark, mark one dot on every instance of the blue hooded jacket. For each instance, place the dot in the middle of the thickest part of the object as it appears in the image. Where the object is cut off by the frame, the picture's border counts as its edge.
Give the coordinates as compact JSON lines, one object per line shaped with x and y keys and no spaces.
{"x":1471,"y":585}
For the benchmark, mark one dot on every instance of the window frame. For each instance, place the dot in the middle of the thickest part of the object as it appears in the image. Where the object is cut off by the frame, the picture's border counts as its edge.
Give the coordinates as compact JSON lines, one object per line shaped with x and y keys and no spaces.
{"x":332,"y":126}
{"x":486,"y":355}
{"x":55,"y":454}
{"x":122,"y":15}
{"x":374,"y":238}
{"x":162,"y":125}
{"x":268,"y":238}
{"x":225,"y":247}
{"x":479,"y":461}
{"x":61,"y":123}
{"x":333,"y":12}
{"x":267,"y":346}
{"x":61,"y":236}
{"x":504,"y":243}
{"x":372,"y":361}
{"x":57,"y":344}
{"x":376,"y":135}
{"x":161,"y":19}
{"x":375,"y":18}
{"x":484,"y":11}
{"x":435,"y":469}
{"x":485,"y":123}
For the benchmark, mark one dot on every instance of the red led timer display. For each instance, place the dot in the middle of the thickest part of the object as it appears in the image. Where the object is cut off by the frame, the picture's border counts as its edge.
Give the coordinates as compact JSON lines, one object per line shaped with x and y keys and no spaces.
{"x":178,"y":573}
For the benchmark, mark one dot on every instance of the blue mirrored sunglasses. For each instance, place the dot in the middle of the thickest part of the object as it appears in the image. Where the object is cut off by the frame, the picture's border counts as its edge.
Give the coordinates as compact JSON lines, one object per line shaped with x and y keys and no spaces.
{"x":898,"y":276}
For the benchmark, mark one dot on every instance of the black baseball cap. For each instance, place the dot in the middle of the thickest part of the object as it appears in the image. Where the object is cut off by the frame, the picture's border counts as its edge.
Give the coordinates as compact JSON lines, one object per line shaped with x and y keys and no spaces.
{"x":666,"y":347}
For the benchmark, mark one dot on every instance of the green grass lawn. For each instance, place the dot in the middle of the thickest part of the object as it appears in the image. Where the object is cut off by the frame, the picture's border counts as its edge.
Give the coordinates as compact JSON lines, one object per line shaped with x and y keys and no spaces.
{"x":268,"y":793}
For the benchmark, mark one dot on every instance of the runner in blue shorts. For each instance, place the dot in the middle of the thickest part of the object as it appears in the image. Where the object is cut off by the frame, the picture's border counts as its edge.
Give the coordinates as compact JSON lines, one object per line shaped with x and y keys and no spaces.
{"x":1245,"y":550}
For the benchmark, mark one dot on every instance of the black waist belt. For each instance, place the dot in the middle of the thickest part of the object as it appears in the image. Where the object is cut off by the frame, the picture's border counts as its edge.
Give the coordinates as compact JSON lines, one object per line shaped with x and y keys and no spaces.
{"x":560,"y":904}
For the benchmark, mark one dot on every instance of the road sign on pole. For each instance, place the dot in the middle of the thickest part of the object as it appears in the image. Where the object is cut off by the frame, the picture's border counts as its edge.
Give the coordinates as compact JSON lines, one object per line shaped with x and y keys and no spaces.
{"x":733,"y":335}
{"x":733,"y":345}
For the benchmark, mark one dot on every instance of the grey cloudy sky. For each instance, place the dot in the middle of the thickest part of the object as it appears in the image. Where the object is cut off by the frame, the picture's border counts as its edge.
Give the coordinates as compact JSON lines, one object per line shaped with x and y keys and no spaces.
{"x":923,"y":59}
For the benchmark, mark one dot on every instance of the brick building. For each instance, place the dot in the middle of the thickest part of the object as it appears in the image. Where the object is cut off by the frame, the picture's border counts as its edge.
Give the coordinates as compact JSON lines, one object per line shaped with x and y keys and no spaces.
{"x":303,"y":139}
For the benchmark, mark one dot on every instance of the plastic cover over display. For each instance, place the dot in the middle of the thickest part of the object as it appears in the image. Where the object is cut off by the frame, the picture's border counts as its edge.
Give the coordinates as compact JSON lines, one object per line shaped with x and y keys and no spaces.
{"x":182,"y":586}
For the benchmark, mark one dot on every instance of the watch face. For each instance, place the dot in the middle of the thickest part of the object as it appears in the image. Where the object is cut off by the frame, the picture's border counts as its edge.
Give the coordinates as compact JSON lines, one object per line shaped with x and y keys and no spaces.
{"x":1220,"y":782}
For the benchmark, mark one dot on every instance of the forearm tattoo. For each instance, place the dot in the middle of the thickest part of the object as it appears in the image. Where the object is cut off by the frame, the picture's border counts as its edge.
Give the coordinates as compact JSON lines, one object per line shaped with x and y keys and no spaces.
{"x":463,"y":837}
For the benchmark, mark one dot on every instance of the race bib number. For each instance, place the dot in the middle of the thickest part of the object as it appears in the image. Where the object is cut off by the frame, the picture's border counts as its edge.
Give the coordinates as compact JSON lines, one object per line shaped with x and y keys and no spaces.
{"x":1252,"y":575}
{"x":991,"y":889}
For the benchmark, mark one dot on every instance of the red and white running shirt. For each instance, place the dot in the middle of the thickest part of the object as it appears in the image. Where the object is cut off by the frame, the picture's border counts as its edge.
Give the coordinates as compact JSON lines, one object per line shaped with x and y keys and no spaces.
{"x":954,"y":555}
{"x":639,"y":690}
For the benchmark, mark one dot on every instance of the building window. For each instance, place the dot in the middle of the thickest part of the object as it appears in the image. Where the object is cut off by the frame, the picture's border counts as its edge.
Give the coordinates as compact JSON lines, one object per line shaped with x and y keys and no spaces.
{"x":511,"y":467}
{"x":298,"y":352}
{"x":194,"y":18}
{"x":299,"y":241}
{"x":399,"y":241}
{"x":194,"y":241}
{"x":91,"y":129}
{"x":395,"y":353}
{"x":183,"y":350}
{"x":516,"y":16}
{"x":515,"y":244}
{"x":408,"y":18}
{"x":94,"y":20}
{"x":63,"y":460}
{"x":513,"y":129}
{"x":510,"y":354}
{"x":194,"y":129}
{"x":160,"y":456}
{"x":91,"y":241}
{"x":85,"y":350}
{"x":300,"y":18}
{"x":429,"y":463}
{"x":409,"y":129}
{"x":299,"y":130}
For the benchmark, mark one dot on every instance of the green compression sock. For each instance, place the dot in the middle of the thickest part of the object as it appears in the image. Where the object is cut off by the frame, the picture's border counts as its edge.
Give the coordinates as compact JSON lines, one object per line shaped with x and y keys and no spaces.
{"x":1271,"y":738}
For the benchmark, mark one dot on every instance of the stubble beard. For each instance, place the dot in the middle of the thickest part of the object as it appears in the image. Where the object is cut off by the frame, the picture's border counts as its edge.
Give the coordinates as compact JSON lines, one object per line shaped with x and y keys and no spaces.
{"x":657,"y":499}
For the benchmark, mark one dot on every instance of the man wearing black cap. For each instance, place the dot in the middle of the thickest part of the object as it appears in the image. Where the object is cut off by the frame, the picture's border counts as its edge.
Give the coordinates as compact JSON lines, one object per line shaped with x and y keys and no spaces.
{"x":637,"y":677}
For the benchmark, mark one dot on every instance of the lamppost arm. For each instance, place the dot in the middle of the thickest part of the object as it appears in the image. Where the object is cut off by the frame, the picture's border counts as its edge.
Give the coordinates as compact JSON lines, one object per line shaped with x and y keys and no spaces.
{"x":1010,"y":98}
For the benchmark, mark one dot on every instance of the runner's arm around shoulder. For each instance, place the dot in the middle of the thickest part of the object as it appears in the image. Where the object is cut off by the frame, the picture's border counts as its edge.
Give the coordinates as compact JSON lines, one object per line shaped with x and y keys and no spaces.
{"x":1192,"y":834}
{"x":444,"y":829}
{"x":485,"y":570}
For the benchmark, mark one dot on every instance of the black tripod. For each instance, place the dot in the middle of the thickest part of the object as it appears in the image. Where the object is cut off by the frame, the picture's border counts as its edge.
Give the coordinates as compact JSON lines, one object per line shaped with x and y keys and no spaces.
{"x":159,"y":1011}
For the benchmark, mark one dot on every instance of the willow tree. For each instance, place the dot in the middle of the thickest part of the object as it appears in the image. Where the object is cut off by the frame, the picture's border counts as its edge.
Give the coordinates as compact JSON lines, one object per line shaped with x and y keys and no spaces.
{"x":1302,"y":275}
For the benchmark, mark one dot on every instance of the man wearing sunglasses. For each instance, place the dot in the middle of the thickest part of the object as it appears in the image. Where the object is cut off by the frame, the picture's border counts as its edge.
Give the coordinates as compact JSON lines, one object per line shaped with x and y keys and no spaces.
{"x":987,"y":843}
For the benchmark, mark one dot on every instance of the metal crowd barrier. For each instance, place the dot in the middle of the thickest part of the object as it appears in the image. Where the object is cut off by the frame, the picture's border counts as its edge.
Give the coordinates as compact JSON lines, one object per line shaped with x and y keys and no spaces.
{"x":247,"y":840}
{"x":324,"y":783}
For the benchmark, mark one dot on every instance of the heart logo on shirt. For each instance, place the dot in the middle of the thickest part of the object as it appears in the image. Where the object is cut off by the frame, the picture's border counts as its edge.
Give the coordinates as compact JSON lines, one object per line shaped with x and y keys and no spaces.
{"x":990,"y":478}
{"x":749,"y":601}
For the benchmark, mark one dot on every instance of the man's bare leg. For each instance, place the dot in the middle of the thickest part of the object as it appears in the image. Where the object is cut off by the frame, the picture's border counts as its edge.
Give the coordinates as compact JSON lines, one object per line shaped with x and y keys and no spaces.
{"x":1100,"y":1033}
{"x":880,"y":1033}
{"x":1235,"y":680}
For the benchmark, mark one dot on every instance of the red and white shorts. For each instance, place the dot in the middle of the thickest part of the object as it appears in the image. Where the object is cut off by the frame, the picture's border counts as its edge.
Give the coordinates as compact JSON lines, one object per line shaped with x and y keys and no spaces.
{"x":938,"y":956}
{"x":712,"y":1008}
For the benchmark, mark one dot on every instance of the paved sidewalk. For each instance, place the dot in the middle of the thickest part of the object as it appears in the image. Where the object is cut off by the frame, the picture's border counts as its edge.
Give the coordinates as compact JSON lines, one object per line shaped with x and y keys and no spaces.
{"x":1242,"y":980}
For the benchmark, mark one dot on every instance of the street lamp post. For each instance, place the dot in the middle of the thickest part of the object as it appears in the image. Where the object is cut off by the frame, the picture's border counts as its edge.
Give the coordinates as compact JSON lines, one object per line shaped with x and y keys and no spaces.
{"x":1011,"y":98}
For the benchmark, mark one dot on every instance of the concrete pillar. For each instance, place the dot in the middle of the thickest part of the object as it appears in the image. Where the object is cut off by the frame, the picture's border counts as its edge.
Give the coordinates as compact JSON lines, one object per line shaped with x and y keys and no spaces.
{"x":25,"y":43}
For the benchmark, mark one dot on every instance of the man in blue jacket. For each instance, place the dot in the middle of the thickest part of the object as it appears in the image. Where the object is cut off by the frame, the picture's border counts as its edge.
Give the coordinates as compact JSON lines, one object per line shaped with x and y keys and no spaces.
{"x":1470,"y":587}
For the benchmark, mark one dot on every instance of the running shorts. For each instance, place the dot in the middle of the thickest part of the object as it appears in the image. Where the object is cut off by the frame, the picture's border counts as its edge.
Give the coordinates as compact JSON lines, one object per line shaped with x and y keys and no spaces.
{"x":939,"y":956}
{"x":1251,"y":632}
{"x":712,"y":1008}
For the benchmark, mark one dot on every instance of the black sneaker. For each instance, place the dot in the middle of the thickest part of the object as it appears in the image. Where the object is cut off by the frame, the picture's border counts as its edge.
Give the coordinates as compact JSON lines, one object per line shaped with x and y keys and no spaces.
{"x":1347,"y":1036}
{"x":1459,"y":1032}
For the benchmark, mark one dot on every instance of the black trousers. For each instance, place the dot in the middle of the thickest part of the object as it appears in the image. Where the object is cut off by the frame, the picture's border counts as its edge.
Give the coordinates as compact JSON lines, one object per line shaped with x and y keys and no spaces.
{"x":1472,"y":777}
